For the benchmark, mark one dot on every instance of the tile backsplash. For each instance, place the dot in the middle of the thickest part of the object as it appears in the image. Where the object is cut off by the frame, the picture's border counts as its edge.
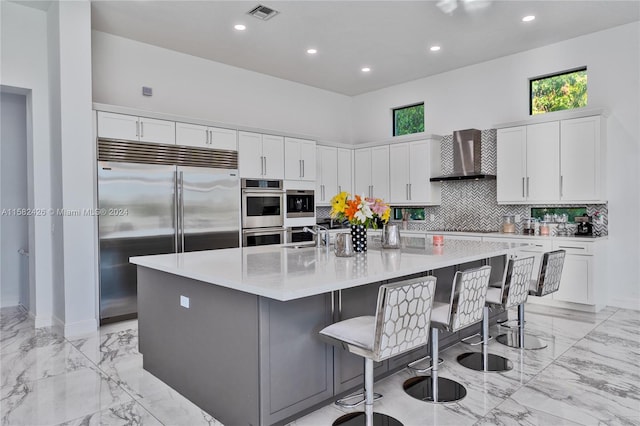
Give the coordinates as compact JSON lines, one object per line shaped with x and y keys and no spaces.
{"x":472,"y":205}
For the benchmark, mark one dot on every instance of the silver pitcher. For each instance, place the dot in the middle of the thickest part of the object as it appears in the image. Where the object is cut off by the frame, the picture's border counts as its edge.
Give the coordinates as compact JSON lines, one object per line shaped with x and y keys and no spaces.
{"x":344,"y":245}
{"x":390,"y":236}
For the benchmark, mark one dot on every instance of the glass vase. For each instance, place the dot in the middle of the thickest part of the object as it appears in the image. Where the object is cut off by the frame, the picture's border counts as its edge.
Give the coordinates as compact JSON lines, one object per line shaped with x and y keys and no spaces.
{"x":359,"y":238}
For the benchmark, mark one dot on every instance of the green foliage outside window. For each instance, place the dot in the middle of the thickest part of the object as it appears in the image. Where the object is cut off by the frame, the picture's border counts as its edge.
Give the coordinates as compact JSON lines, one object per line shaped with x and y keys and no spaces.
{"x":559,"y":92}
{"x":408,"y":120}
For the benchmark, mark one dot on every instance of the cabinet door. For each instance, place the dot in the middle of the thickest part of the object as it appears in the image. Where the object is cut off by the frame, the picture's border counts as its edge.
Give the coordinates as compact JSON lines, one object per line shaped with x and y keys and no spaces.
{"x":399,"y":173}
{"x":157,"y":131}
{"x":118,"y":126}
{"x":579,"y":159}
{"x":362,"y":165}
{"x":575,"y":284}
{"x":511,"y":164}
{"x":380,"y":172}
{"x":273,"y":151}
{"x":292,"y":162}
{"x":344,"y":169}
{"x":223,"y":138}
{"x":326,"y":174}
{"x":192,"y":135}
{"x":250,"y":161}
{"x":543,"y":162}
{"x":419,"y":173}
{"x":308,"y":159}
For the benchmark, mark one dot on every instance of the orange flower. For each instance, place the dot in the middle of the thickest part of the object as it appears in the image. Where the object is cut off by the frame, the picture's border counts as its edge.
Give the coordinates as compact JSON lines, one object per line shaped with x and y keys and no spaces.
{"x":352,"y":208}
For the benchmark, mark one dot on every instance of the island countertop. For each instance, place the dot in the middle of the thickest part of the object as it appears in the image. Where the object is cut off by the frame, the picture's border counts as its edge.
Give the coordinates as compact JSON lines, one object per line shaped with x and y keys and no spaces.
{"x":289,"y":272}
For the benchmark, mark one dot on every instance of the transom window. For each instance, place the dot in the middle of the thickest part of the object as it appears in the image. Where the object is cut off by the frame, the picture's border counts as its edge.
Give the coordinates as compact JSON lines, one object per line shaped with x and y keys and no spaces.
{"x":408,"y":119}
{"x":556,"y":92}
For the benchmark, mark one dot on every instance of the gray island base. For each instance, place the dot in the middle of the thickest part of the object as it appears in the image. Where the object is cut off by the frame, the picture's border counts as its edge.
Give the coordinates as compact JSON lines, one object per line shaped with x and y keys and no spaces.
{"x":236,"y":330}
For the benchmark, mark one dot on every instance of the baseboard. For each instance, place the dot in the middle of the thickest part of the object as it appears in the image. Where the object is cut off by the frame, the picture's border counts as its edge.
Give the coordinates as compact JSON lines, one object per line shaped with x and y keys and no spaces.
{"x":57,"y":326}
{"x":41,"y":321}
{"x":626,"y":303}
{"x":80,"y":327}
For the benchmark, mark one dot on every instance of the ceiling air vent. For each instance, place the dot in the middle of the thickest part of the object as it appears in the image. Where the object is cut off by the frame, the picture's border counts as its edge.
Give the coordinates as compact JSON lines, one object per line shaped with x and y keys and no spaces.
{"x":263,"y":12}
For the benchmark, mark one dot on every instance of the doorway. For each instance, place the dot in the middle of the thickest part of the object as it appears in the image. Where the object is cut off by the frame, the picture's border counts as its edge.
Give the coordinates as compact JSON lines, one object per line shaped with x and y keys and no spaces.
{"x":14,"y":221}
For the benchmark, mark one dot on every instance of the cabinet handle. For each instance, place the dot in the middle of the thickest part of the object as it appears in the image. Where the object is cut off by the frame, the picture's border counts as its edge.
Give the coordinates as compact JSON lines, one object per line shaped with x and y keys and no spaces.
{"x":302,"y":168}
{"x":339,"y":189}
{"x":410,"y":195}
{"x":261,"y":165}
{"x":561,"y":185}
{"x":137,"y":128}
{"x":142,"y":129}
{"x":522,"y":186}
{"x":528,"y":187}
{"x":265,"y":165}
{"x":571,"y":247}
{"x":210,"y":137}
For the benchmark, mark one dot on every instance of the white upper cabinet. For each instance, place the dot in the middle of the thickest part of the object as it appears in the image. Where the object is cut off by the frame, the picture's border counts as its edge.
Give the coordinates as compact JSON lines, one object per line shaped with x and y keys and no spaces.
{"x":345,"y":170}
{"x":552,"y":162}
{"x":582,"y":159}
{"x":299,"y":159}
{"x":260,"y":156}
{"x":512,"y":164}
{"x":372,"y":172}
{"x":411,"y":165}
{"x":142,"y":129}
{"x":543,"y":162}
{"x":206,"y":137}
{"x":326,"y":174}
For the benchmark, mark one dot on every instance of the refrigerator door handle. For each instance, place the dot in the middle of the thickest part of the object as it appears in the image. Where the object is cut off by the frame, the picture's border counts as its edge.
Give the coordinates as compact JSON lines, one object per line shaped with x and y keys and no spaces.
{"x":176,"y":210}
{"x":182,"y":211}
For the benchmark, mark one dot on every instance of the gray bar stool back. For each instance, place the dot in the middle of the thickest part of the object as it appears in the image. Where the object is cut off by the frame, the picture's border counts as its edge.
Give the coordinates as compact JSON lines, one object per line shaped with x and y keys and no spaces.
{"x":548,"y":282}
{"x":465,"y":308}
{"x":512,"y":291}
{"x":401,"y":324}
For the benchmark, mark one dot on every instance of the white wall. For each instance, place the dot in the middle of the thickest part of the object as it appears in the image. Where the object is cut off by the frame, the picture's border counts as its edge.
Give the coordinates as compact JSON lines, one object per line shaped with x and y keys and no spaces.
{"x":495,"y":92}
{"x":14,"y":230}
{"x":194,"y":87}
{"x":23,"y":65}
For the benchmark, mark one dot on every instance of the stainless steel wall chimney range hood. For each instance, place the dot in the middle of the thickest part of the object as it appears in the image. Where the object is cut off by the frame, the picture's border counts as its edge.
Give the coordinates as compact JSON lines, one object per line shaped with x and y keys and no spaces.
{"x":467,"y":157}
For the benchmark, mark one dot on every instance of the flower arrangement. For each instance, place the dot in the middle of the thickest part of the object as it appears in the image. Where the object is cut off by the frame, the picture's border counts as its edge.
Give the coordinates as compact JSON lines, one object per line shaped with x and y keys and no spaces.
{"x":359,"y":210}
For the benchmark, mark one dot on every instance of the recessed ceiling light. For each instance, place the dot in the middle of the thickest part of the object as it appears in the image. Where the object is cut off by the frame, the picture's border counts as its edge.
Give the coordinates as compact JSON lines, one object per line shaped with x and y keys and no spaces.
{"x":528,"y":18}
{"x":312,"y":51}
{"x":434,"y":48}
{"x":240,"y":27}
{"x":366,"y":69}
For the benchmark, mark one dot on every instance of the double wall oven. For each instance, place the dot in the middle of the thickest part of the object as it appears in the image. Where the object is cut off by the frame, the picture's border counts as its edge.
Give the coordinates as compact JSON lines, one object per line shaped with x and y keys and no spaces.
{"x":262,"y":212}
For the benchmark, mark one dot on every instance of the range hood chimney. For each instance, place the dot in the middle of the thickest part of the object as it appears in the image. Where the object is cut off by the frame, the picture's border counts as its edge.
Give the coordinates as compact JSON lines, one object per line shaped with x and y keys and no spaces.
{"x":467,"y":164}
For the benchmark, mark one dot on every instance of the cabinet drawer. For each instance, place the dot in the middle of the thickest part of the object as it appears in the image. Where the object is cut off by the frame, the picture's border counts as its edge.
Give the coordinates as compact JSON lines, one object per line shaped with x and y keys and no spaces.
{"x":574,"y":247}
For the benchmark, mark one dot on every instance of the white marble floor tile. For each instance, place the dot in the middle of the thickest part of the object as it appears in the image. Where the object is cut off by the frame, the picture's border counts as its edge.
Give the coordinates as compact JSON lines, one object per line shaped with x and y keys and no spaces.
{"x":171,"y":408}
{"x":107,"y":347}
{"x":130,"y":413}
{"x":36,"y":362}
{"x":510,"y":413}
{"x":59,"y":398}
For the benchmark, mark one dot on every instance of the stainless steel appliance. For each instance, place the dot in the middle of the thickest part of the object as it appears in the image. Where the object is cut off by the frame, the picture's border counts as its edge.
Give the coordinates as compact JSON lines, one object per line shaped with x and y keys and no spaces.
{"x":152,"y":208}
{"x":263,"y":236}
{"x":300,"y":203}
{"x":262,"y":203}
{"x":584,"y":227}
{"x":297,"y":234}
{"x":467,"y":157}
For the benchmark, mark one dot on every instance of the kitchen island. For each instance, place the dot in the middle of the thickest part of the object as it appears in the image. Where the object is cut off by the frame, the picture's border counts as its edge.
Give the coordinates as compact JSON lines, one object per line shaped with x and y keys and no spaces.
{"x":236,"y":330}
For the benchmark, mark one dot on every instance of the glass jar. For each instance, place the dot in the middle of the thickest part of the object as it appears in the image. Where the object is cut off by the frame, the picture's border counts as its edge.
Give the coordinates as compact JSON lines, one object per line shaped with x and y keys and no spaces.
{"x":544,"y":228}
{"x":508,"y":224}
{"x":528,"y":226}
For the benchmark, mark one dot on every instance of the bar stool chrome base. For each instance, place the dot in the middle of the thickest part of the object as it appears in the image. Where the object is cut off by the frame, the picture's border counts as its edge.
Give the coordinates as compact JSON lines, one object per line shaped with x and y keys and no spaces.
{"x":422,"y":388}
{"x":360,"y":419}
{"x":514,"y":340}
{"x":493,"y":363}
{"x":344,"y":402}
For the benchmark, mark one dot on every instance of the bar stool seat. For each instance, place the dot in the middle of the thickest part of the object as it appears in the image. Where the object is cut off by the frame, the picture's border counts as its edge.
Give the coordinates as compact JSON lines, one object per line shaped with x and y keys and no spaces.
{"x":511,"y":291}
{"x":402,"y":318}
{"x":547,"y":282}
{"x":467,"y":298}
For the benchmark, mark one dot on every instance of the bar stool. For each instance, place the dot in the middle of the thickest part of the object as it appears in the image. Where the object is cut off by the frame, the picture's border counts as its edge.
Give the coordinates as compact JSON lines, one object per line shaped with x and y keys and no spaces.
{"x":512,"y":291}
{"x":548,"y":282}
{"x":465,"y":305}
{"x":402,"y":318}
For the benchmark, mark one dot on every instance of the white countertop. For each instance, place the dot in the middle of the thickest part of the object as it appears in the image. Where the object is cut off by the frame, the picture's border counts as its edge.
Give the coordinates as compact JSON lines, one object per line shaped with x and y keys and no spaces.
{"x":283,"y":272}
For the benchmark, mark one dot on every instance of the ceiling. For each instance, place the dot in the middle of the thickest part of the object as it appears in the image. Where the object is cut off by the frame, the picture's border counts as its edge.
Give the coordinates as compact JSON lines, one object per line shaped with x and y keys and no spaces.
{"x":391,"y":37}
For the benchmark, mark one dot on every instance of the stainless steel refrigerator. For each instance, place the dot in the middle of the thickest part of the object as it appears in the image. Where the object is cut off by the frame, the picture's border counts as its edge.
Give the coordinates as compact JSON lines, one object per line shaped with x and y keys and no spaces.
{"x":156,"y":209}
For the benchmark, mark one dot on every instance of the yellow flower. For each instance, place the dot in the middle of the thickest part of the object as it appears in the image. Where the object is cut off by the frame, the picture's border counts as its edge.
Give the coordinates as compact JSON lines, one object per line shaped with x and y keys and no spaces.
{"x":338,"y":204}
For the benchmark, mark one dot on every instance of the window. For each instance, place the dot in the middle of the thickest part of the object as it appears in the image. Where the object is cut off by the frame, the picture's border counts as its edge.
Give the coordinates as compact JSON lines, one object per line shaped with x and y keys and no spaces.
{"x":408,"y":119}
{"x":566,"y":90}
